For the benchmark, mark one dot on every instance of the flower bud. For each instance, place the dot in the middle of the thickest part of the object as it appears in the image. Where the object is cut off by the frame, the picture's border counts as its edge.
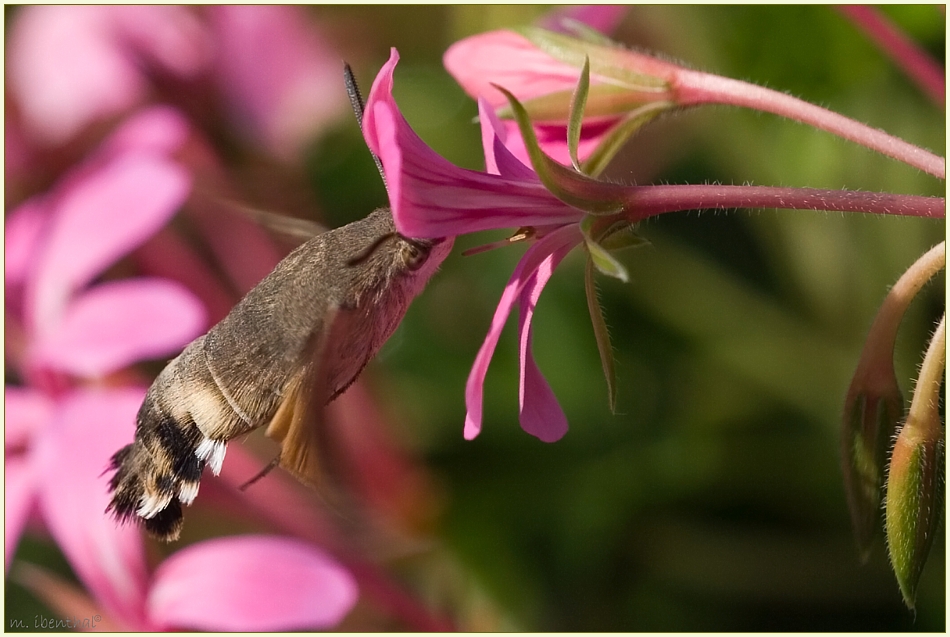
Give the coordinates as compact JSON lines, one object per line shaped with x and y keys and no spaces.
{"x":914,"y":502}
{"x":917,"y":473}
{"x":872,"y":413}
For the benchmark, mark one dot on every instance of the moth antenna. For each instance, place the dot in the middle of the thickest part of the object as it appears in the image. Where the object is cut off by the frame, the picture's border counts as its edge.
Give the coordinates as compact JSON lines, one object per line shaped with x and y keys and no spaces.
{"x":359,"y":107}
{"x":260,"y":474}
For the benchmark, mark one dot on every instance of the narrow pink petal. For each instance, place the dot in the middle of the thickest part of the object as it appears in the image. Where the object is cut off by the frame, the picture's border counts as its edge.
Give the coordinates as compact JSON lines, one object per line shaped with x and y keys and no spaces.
{"x":116,"y":324}
{"x":99,"y":219}
{"x":431,"y":197}
{"x":498,"y":158}
{"x":281,"y":77}
{"x":26,"y":413}
{"x":552,"y":138}
{"x":539,"y":412}
{"x":251,"y":583}
{"x":557,"y":240}
{"x":510,"y":60}
{"x":19,"y":496}
{"x":602,"y":17}
{"x":108,"y":558}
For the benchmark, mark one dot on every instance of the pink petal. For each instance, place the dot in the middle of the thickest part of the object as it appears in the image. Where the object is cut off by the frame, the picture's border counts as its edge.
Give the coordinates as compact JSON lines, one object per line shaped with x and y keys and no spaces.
{"x":158,"y":130}
{"x":539,"y":412}
{"x":509,"y":60}
{"x":170,"y":37}
{"x":26,"y":413}
{"x":281,"y":77}
{"x":67,"y":599}
{"x":552,"y":138}
{"x":116,"y":324}
{"x":71,"y":65}
{"x":251,"y":583}
{"x":498,"y":158}
{"x":23,"y":233}
{"x":561,"y":239}
{"x":98,"y":219}
{"x":65,"y":71}
{"x":19,"y":496}
{"x":431,"y":197}
{"x":109,"y":559}
{"x":602,"y":17}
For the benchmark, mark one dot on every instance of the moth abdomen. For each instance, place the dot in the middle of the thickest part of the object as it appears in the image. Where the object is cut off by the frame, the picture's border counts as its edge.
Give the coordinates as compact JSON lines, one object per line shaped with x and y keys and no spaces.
{"x":158,"y":472}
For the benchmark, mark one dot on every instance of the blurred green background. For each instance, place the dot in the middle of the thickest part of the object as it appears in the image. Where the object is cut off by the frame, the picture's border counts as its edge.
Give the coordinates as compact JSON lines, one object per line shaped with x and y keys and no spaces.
{"x":713,"y":499}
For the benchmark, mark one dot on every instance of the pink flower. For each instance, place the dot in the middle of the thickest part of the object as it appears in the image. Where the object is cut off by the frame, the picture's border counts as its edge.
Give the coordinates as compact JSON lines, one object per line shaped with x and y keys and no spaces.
{"x":72,"y":65}
{"x":59,"y":242}
{"x":281,"y":78}
{"x":431,"y":197}
{"x":236,"y":583}
{"x":545,"y":85}
{"x":59,"y":327}
{"x":61,"y":432}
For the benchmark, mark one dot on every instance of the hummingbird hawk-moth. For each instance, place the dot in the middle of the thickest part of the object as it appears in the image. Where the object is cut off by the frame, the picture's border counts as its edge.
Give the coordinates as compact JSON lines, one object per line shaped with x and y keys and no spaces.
{"x":293,"y":344}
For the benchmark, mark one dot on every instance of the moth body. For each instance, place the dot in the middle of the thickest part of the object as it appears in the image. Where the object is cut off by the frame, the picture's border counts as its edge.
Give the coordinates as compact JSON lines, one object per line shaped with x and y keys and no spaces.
{"x":294,"y":343}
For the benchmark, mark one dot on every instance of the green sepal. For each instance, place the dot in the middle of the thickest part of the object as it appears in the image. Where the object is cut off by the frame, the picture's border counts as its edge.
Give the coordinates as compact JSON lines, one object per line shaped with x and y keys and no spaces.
{"x":603,"y":260}
{"x":603,"y":100}
{"x":585,"y":32}
{"x":622,"y":235}
{"x":603,"y":58}
{"x":601,"y":334}
{"x":571,"y":187}
{"x":576,"y":119}
{"x":613,"y":141}
{"x":869,"y":423}
{"x":914,"y":504}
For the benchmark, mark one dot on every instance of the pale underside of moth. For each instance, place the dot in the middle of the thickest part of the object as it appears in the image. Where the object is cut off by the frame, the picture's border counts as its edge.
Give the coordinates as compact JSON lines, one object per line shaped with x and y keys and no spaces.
{"x":294,"y":343}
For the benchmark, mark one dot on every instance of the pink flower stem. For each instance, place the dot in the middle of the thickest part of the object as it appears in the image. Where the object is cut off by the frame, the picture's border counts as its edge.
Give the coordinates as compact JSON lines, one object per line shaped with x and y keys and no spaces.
{"x":645,"y":201}
{"x":396,"y":600}
{"x":883,"y":331}
{"x":914,"y":61}
{"x":695,"y":88}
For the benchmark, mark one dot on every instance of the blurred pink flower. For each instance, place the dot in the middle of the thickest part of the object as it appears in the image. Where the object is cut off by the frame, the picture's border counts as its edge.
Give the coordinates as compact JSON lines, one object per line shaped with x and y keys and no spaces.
{"x":430,"y":197}
{"x":237,"y":583}
{"x":281,"y":79}
{"x":60,"y":327}
{"x":60,"y":241}
{"x":61,"y":434}
{"x":601,"y":17}
{"x":69,"y":66}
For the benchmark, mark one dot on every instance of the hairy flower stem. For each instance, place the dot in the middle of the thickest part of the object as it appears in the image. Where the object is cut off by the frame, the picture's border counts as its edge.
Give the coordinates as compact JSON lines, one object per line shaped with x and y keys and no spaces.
{"x":645,"y":201}
{"x":929,"y":381}
{"x":911,"y":58}
{"x":694,"y":88}
{"x":892,"y":310}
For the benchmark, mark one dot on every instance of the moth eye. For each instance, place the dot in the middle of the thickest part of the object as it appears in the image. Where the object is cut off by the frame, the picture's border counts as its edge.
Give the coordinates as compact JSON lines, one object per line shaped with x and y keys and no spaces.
{"x":415,"y":255}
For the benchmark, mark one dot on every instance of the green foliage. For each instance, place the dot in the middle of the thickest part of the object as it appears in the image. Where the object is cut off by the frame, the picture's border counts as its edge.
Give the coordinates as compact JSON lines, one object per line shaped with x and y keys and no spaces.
{"x":713,"y":500}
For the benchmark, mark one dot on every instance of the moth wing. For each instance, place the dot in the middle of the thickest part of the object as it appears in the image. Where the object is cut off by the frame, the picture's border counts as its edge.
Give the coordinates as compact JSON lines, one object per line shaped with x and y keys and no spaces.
{"x":298,"y":424}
